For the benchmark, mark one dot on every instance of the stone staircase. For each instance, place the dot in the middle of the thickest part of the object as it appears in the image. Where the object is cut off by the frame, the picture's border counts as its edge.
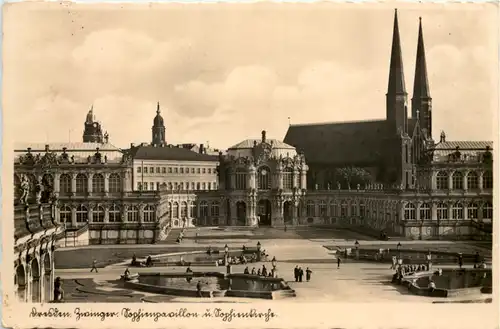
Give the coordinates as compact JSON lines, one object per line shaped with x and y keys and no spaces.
{"x":169,"y":235}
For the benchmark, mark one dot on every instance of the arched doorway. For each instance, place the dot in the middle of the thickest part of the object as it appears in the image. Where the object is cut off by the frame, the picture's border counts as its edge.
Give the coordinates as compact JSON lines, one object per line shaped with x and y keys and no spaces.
{"x":241,"y":212}
{"x":20,"y":282}
{"x":35,"y":281}
{"x":47,"y":269}
{"x":264,"y":212}
{"x":288,"y":212}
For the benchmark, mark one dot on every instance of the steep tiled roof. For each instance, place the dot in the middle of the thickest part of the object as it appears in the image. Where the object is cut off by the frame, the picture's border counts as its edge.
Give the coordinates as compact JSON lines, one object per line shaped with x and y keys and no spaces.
{"x":358,"y":142}
{"x":249,"y":144}
{"x":80,"y":151}
{"x":469,"y":149}
{"x":169,"y":153}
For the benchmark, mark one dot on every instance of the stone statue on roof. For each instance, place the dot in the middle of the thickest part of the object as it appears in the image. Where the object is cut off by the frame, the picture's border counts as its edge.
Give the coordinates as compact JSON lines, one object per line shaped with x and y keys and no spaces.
{"x":25,"y":190}
{"x":38,"y":191}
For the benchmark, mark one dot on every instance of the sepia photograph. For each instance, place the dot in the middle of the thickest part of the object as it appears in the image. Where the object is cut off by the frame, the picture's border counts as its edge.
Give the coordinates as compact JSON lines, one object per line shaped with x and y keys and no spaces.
{"x":276,"y":153}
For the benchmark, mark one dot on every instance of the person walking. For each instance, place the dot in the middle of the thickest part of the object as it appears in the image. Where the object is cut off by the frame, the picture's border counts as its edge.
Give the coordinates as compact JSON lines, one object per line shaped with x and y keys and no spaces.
{"x":460,"y":260}
{"x":296,"y":273}
{"x":308,"y":274}
{"x":338,"y":262}
{"x":301,"y":274}
{"x":94,"y":266}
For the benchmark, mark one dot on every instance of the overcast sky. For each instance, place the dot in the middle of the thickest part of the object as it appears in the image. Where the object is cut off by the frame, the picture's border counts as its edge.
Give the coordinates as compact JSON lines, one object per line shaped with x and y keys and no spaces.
{"x":224,"y":72}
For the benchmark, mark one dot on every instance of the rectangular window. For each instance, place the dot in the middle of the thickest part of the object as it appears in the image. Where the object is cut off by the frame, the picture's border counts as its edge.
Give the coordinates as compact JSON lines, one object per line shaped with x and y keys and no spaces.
{"x":169,"y":170}
{"x":182,"y":170}
{"x":145,"y":170}
{"x":209,"y":170}
{"x":192,"y":170}
{"x":139,"y":186}
{"x":145,"y":186}
{"x":158,"y":186}
{"x":152,"y":186}
{"x":164,"y":170}
{"x":176,"y":170}
{"x":139,"y":170}
{"x":203,"y":170}
{"x":157,"y":170}
{"x":197,"y":170}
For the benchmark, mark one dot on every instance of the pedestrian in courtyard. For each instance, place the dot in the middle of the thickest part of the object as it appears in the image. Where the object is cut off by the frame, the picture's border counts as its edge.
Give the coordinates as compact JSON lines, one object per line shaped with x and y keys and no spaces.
{"x":264,"y":270}
{"x":394,"y":262}
{"x":301,"y":274}
{"x":198,"y":289}
{"x":460,"y":260}
{"x":246,"y":271}
{"x":253,"y":271}
{"x":477,"y":260}
{"x":308,"y":274}
{"x":338,"y":262}
{"x":296,"y":273}
{"x":94,"y":266}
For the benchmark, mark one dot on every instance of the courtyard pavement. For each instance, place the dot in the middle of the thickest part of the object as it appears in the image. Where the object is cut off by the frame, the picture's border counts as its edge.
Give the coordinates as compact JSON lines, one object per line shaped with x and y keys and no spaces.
{"x":352,"y":282}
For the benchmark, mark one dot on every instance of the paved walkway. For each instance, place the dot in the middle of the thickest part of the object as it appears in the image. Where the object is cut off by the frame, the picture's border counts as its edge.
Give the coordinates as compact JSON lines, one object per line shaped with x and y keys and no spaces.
{"x":352,"y":282}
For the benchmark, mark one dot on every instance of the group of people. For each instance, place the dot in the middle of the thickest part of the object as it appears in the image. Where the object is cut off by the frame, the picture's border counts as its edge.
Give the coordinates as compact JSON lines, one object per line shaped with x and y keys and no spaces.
{"x":273,"y":273}
{"x":147,"y":263}
{"x":180,"y":237}
{"x":298,"y":273}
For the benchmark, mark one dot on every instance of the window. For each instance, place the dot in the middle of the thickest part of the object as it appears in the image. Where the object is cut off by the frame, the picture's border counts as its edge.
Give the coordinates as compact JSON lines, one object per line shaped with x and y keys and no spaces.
{"x":487,"y":210}
{"x":472,"y":181}
{"x":203,"y":209}
{"x":98,"y":215}
{"x":81,"y":183}
{"x":410,"y":211}
{"x":343,"y":209}
{"x":442,"y":211}
{"x":133,"y":214}
{"x":115,"y":183}
{"x":176,"y":170}
{"x":214,"y":209}
{"x":204,"y":186}
{"x":176,"y":186}
{"x":457,"y":180}
{"x":288,"y":178}
{"x":175,"y":210}
{"x":457,"y":211}
{"x":82,"y":214}
{"x":187,"y":185}
{"x":181,"y":185}
{"x":488,"y":180}
{"x":182,"y":170}
{"x":98,"y":183}
{"x":192,"y":185}
{"x":145,"y":186}
{"x":157,"y":186}
{"x":241,"y":179}
{"x":472,"y":210}
{"x":353,"y":208}
{"x":310,"y":208}
{"x":425,"y":211}
{"x":333,"y":208}
{"x":65,"y":184}
{"x":184,"y":207}
{"x":114,"y":214}
{"x":442,"y":180}
{"x":209,"y":170}
{"x":264,"y":178}
{"x":362,"y":209}
{"x":198,"y":186}
{"x":192,"y":170}
{"x":169,"y":170}
{"x":145,"y":170}
{"x":163,"y":170}
{"x":197,"y":170}
{"x":170,"y":187}
{"x":139,"y":170}
{"x":322,"y":208}
{"x":192,"y":209}
{"x":152,"y":185}
{"x":203,"y":170}
{"x":149,"y":214}
{"x":157,"y":170}
{"x":65,"y":215}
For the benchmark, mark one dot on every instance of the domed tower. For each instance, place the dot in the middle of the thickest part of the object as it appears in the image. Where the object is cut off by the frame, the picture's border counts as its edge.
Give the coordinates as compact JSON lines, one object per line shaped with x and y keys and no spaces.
{"x":92,"y":132}
{"x":158,"y":130}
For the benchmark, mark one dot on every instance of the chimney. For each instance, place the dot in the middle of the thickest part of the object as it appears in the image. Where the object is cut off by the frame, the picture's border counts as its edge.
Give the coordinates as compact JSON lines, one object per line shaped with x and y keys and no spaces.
{"x":132,"y":145}
{"x":442,"y":138}
{"x":202,"y":149}
{"x":263,"y":136}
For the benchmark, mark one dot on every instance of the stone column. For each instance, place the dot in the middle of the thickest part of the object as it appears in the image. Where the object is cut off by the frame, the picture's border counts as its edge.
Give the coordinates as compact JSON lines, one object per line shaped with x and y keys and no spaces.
{"x":73,"y":183}
{"x":249,"y":181}
{"x":480,"y":183}
{"x":233,"y":179}
{"x":89,"y":182}
{"x":91,"y":212}
{"x":296,"y":178}
{"x":280,"y":179}
{"x":252,"y":172}
{"x":303,"y":179}
{"x":106,"y":213}
{"x":433,"y":211}
{"x":141,"y":213}
{"x":57,"y":184}
{"x":73,"y":216}
{"x":434,"y":180}
{"x":106,"y":183}
{"x":450,"y":180}
{"x":464,"y":182}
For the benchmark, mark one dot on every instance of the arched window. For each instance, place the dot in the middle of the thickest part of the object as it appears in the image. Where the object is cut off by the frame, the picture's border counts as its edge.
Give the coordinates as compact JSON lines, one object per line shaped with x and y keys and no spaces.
{"x":343,"y":208}
{"x":333,"y":209}
{"x":322,"y":208}
{"x":457,"y":180}
{"x":65,"y":184}
{"x":115,"y":183}
{"x":362,"y":208}
{"x":442,"y":180}
{"x":98,"y":183}
{"x":264,"y":178}
{"x":488,"y":180}
{"x":472,"y":210}
{"x":487,"y":210}
{"x":288,"y":178}
{"x":192,"y":209}
{"x":472,"y":181}
{"x":203,"y":209}
{"x":149,"y":214}
{"x":354,"y":208}
{"x":442,"y":211}
{"x":98,"y":215}
{"x":82,"y":214}
{"x":133,"y":214}
{"x":175,"y":210}
{"x":66,"y":215}
{"x":241,"y":179}
{"x":214,"y":209}
{"x":457,"y":211}
{"x":81,"y":183}
{"x":184,"y":208}
{"x":410,"y":211}
{"x":310,"y":208}
{"x":114,"y":214}
{"x":198,"y":186}
{"x":425,"y":211}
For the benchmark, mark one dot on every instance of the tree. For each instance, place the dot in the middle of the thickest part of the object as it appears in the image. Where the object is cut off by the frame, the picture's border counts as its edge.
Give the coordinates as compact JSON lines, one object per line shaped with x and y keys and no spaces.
{"x":354,"y":175}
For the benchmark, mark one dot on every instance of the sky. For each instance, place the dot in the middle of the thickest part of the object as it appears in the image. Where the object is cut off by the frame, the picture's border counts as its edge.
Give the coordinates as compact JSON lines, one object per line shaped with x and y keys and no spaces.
{"x":224,"y":72}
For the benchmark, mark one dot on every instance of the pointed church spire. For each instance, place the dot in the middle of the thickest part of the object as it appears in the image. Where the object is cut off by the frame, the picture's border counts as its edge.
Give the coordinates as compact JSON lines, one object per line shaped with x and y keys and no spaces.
{"x":396,"y":74}
{"x":158,"y":108}
{"x":421,"y":83}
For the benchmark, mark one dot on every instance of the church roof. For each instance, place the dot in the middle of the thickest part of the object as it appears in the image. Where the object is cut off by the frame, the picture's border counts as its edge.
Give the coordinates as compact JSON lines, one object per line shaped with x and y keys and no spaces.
{"x":249,"y":144}
{"x":340,"y":143}
{"x":169,"y":153}
{"x":470,"y":149}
